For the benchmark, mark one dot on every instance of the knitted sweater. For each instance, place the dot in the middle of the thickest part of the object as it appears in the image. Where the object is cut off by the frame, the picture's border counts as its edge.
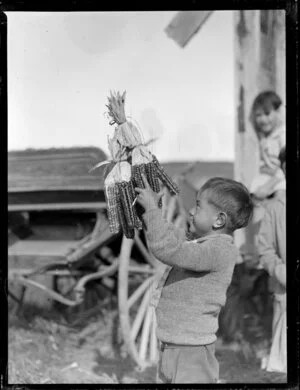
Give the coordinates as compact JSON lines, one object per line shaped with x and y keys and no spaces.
{"x":195,"y":289}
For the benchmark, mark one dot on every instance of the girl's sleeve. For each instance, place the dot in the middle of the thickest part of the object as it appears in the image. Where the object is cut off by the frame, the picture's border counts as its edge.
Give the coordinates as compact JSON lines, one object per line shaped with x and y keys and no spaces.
{"x":169,"y":245}
{"x":282,"y":139}
{"x":264,"y":156}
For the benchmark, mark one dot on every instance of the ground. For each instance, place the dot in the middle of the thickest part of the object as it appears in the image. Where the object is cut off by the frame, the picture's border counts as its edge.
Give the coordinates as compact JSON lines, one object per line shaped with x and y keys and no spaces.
{"x":43,"y":351}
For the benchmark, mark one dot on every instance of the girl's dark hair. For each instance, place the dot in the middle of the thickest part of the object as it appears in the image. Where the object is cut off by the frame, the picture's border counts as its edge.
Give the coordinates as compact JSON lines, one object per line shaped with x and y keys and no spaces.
{"x":231,"y":197}
{"x":268,"y":100}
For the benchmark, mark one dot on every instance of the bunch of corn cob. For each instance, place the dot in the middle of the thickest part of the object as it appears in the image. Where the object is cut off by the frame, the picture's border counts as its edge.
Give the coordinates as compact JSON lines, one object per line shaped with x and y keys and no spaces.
{"x":131,"y":159}
{"x":120,"y":194}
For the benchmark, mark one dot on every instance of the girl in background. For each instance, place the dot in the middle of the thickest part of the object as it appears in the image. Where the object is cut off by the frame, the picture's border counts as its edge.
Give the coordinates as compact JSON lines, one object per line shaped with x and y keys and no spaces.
{"x":266,"y":117}
{"x":270,"y":130}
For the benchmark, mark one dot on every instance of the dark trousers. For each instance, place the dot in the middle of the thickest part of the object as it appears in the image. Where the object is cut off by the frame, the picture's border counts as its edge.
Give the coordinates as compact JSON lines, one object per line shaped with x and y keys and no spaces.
{"x":187,"y":364}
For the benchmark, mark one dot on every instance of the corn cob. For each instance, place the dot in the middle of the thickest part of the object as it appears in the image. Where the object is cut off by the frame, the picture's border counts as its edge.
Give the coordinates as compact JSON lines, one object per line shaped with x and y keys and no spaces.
{"x":138,"y":182}
{"x":126,"y":203}
{"x":164,"y":178}
{"x":128,"y":231}
{"x":143,"y":170}
{"x":153,"y":179}
{"x":111,"y":195}
{"x":137,"y":222}
{"x":137,"y":176}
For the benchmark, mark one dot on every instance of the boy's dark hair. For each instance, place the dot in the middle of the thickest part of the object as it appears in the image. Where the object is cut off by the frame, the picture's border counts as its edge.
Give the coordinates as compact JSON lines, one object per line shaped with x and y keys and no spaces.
{"x":231,"y":197}
{"x":282,"y":156}
{"x":268,"y":100}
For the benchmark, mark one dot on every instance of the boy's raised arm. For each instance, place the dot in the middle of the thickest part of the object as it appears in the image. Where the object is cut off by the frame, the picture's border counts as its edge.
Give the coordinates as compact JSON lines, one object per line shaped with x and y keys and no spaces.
{"x":168,"y":244}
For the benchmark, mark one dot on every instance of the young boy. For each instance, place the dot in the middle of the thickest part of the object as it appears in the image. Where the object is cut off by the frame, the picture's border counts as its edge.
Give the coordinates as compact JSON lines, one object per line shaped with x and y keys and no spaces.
{"x":272,"y":257}
{"x":200,"y":273}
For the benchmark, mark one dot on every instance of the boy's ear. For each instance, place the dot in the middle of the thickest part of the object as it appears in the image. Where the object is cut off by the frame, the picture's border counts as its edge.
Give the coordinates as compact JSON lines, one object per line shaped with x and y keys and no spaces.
{"x":221,"y":220}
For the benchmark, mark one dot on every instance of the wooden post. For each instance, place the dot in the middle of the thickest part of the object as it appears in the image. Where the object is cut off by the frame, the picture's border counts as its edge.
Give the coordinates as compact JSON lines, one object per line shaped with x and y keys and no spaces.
{"x":271,"y":73}
{"x":280,"y":53}
{"x":246,"y":24}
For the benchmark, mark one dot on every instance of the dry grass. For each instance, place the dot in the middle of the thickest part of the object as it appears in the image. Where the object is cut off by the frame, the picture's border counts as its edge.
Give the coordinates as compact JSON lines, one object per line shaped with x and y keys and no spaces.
{"x":31,"y":358}
{"x":41,"y":351}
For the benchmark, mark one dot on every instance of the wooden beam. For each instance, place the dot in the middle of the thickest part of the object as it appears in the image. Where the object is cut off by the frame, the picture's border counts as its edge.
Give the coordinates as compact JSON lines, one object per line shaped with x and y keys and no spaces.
{"x":272,"y":51}
{"x":57,"y":206}
{"x":56,"y":249}
{"x":247,"y":59}
{"x":185,"y":25}
{"x":246,"y":164}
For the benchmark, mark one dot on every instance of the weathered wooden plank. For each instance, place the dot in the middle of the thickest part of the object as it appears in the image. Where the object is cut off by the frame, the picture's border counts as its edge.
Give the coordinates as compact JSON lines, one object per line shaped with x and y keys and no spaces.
{"x":57,"y":206}
{"x":56,"y":249}
{"x":247,"y":59}
{"x":21,"y":183}
{"x":39,"y":197}
{"x":185,"y":24}
{"x":32,"y":262}
{"x":55,"y":168}
{"x":280,"y":54}
{"x":272,"y":52}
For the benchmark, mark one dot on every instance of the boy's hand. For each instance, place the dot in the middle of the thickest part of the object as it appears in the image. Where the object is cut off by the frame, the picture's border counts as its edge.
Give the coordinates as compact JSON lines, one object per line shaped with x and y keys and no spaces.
{"x":147,"y":197}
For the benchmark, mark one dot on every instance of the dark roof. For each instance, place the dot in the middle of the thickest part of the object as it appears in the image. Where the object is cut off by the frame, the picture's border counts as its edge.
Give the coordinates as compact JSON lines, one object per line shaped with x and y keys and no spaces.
{"x":66,"y":169}
{"x":55,"y":169}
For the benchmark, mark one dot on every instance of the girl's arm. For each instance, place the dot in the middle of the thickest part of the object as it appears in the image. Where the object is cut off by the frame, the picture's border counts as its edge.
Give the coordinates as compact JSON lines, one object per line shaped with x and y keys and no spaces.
{"x":270,"y":163}
{"x":267,"y":188}
{"x":268,"y":170}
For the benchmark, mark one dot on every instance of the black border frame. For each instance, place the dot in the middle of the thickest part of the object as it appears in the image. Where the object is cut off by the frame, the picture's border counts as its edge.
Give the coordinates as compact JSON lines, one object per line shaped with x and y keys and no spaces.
{"x":292,"y":122}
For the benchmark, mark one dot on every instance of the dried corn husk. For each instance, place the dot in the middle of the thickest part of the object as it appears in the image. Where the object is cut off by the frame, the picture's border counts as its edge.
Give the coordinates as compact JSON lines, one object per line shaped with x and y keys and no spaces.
{"x":116,"y":107}
{"x":131,"y":159}
{"x":125,"y":135}
{"x":141,"y":155}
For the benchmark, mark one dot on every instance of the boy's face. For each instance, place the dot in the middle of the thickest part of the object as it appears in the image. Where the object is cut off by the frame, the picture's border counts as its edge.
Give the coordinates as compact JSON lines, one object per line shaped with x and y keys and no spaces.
{"x":203,"y":216}
{"x":266,"y":121}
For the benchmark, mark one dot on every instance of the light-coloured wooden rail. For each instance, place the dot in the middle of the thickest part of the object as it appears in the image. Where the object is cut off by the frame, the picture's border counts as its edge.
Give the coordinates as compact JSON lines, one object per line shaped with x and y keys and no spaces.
{"x":93,"y":206}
